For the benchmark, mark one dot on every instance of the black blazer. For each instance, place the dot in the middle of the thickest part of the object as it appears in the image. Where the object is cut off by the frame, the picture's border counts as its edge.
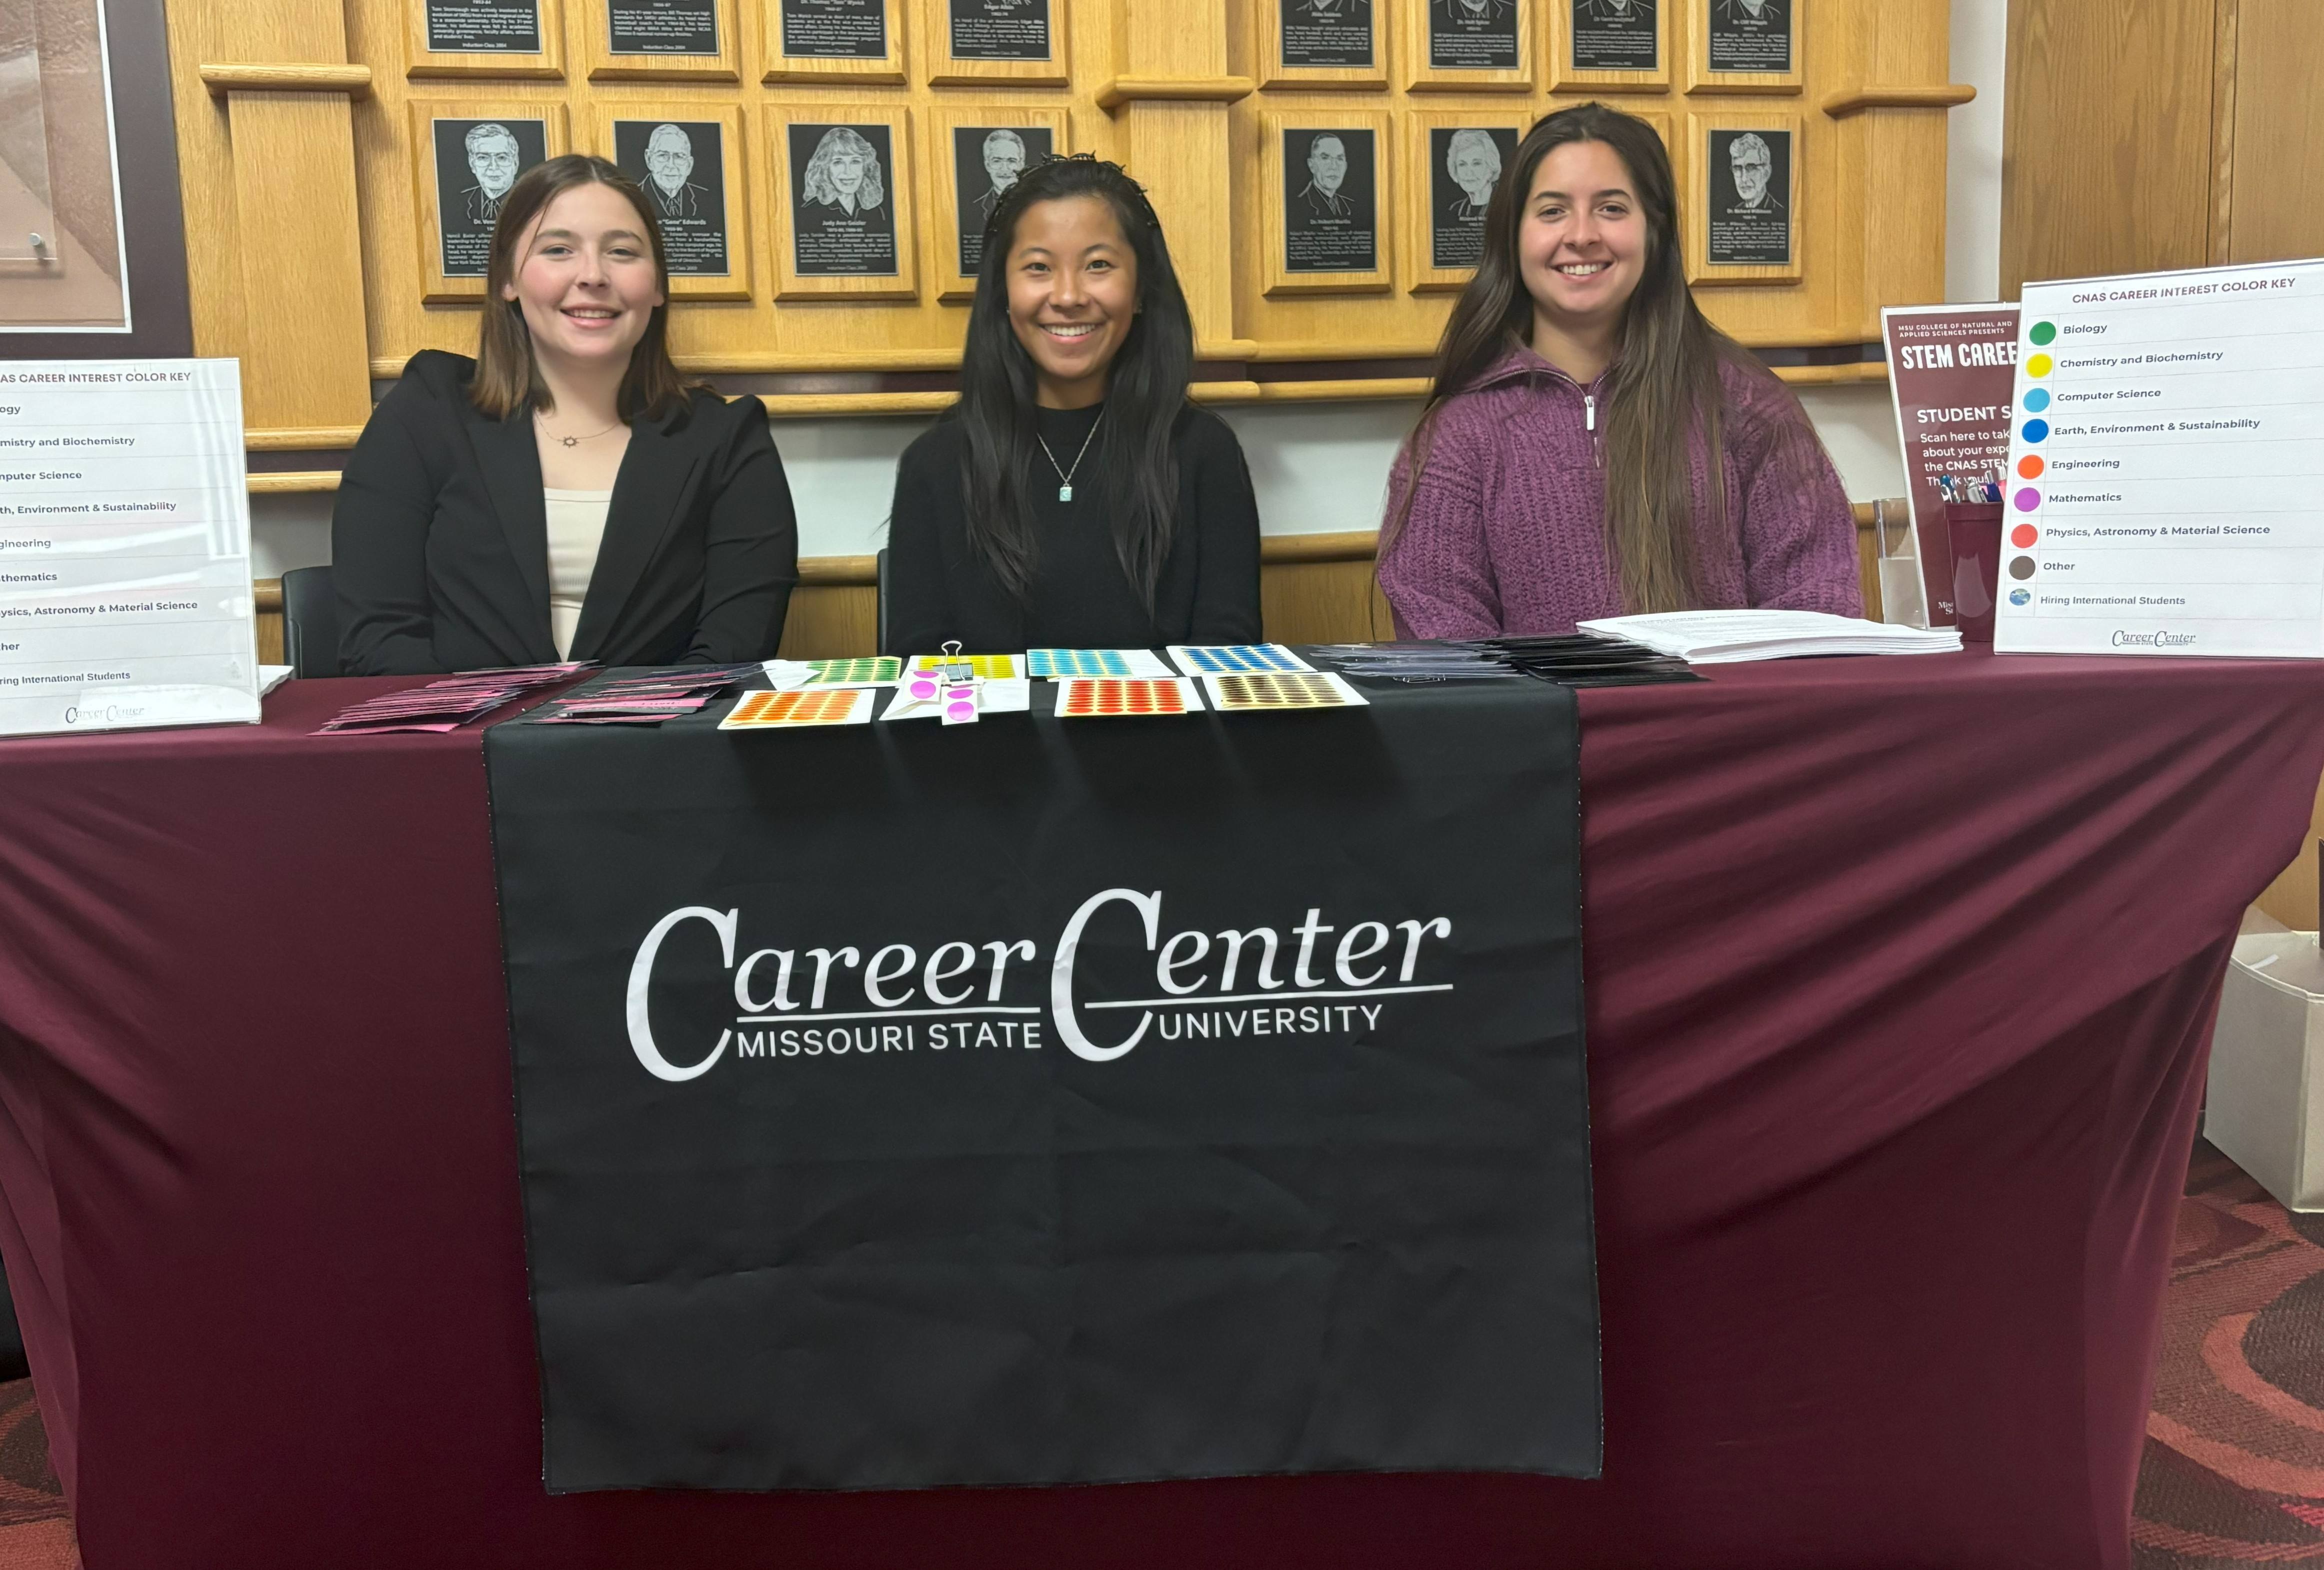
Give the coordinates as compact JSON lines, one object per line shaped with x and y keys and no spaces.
{"x":440,"y":540}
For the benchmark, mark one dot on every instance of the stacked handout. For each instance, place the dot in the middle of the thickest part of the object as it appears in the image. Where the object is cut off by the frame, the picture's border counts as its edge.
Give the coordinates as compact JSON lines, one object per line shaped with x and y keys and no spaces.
{"x":449,"y":703}
{"x":645,"y":697}
{"x":1720,"y":637}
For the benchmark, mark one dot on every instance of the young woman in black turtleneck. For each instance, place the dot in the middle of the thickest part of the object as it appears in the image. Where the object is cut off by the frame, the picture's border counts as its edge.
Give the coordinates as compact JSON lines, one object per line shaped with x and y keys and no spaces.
{"x":1074,"y":499}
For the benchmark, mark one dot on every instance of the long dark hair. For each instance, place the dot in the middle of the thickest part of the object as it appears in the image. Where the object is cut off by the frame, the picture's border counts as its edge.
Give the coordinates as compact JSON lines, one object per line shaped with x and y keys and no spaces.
{"x":507,"y":378}
{"x":1146,"y":387}
{"x":1664,"y":384}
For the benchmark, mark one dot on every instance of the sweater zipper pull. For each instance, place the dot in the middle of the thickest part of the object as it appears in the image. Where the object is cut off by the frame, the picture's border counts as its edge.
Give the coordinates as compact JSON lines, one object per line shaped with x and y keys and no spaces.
{"x":1589,"y":411}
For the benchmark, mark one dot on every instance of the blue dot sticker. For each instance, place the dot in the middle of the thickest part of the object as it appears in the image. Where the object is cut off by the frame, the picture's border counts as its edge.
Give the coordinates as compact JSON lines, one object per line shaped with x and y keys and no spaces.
{"x":2021,"y":597}
{"x":2037,"y":400}
{"x":2037,"y":430}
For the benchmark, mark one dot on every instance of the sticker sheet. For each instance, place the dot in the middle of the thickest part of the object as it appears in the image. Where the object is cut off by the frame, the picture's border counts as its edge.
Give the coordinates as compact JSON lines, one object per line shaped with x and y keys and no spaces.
{"x":1116,"y":697}
{"x":1051,"y":664}
{"x":991,"y":667}
{"x":1280,"y":690}
{"x":1223,"y":660}
{"x":862,"y":671}
{"x":823,"y":706}
{"x":994,"y":697}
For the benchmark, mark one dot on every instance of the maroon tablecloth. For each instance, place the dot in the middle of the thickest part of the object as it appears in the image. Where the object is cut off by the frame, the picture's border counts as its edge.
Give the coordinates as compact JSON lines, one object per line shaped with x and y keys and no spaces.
{"x":1901,"y":973}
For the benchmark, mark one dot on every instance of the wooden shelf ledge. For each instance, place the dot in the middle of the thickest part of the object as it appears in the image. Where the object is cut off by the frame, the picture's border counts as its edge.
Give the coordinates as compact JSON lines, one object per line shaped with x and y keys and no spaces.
{"x":1858,"y":97}
{"x":1174,"y":90}
{"x":353,"y":81}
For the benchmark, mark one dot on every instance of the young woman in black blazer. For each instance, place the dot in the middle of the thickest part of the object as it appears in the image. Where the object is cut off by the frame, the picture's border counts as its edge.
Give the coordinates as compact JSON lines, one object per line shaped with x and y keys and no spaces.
{"x":565,"y":494}
{"x":1074,"y":499}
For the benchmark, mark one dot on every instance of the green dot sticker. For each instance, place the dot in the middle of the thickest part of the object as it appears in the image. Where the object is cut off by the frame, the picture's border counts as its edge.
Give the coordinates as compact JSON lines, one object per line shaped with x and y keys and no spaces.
{"x":2044,"y":332}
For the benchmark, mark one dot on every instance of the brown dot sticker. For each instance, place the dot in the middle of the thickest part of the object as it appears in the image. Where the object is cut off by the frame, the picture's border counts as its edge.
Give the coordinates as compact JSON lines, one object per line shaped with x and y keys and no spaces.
{"x":2023,"y":568}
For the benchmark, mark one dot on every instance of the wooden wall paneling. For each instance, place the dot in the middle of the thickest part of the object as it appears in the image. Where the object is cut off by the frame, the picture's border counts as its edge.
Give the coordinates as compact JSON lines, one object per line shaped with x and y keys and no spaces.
{"x":453,"y":121}
{"x":2276,"y":175}
{"x":1891,"y":132}
{"x":793,"y":134}
{"x":794,"y":34}
{"x":832,"y":621}
{"x":1287,"y":149}
{"x":2106,"y":138}
{"x":642,"y":58}
{"x":1700,"y":75}
{"x":546,"y":60}
{"x":205,"y":183}
{"x":1427,"y":213}
{"x":1179,"y":148}
{"x":949,"y":24}
{"x":1566,"y":77}
{"x":951,"y":155}
{"x":1270,"y":20}
{"x":1696,"y":211}
{"x":1413,"y":23}
{"x":732,"y":182}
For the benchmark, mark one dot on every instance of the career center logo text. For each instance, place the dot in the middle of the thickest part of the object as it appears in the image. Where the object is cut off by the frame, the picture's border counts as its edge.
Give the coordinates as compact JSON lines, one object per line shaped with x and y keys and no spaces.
{"x":955,"y":999}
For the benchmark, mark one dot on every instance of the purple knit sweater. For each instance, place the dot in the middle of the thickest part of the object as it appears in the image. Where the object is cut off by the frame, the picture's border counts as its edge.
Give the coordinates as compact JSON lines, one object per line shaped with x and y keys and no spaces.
{"x":1508,"y":534}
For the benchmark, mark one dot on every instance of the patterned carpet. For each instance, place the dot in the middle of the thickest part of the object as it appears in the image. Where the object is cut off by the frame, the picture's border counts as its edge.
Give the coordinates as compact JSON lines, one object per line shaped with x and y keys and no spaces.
{"x":2234,"y":1471}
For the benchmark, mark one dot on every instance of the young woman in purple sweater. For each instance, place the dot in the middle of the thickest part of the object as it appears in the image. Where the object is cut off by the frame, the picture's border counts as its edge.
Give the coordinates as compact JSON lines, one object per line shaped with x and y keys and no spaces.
{"x":1563,"y":465}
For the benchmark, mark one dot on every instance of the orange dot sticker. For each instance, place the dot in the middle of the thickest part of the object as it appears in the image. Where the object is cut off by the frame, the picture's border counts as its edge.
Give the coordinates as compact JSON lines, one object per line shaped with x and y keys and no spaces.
{"x":2030,"y":466}
{"x":2024,"y":536}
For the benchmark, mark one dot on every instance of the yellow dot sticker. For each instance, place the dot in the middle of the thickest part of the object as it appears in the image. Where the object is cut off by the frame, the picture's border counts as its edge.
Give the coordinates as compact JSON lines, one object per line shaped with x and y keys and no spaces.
{"x":2040,"y":365}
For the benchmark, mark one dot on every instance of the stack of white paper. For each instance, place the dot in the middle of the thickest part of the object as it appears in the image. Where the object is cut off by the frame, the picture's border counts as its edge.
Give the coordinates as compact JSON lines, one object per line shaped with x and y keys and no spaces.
{"x":1721,"y":637}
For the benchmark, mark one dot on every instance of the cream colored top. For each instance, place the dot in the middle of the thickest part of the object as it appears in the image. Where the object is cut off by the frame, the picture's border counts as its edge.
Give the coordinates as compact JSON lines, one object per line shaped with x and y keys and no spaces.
{"x":576,"y":526}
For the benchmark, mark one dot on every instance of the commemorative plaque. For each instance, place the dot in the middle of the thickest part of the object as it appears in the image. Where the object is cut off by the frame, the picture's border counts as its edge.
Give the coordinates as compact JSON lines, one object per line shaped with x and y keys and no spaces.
{"x":1752,"y":37}
{"x":483,"y":26}
{"x":1326,"y":32}
{"x":1465,"y":165}
{"x":986,"y":160}
{"x":1331,"y":214}
{"x":1472,"y":35}
{"x":834,"y":29}
{"x":635,"y":27}
{"x":477,"y":162}
{"x":999,"y":30}
{"x":843,"y":212}
{"x":681,"y":167}
{"x":1615,"y":35}
{"x":1749,"y":199}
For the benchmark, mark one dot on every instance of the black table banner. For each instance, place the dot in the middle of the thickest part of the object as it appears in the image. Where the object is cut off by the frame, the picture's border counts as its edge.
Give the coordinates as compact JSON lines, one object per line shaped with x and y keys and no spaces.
{"x":1054,"y":1102}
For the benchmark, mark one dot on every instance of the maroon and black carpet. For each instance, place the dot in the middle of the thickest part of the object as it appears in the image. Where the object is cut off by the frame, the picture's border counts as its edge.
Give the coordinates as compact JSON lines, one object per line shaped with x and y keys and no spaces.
{"x":2234,"y":1472}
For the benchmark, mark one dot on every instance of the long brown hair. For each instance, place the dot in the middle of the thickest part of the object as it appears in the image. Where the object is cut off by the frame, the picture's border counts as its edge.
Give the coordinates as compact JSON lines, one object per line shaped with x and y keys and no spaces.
{"x":508,"y":379}
{"x":1665,"y":383}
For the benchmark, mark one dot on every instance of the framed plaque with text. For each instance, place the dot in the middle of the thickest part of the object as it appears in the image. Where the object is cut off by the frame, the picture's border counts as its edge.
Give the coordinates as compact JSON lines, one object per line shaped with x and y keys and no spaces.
{"x":973,"y":156}
{"x":1324,"y":196}
{"x":972,"y":41}
{"x":843,"y":202}
{"x":816,"y":40}
{"x":1321,"y":43}
{"x":1742,"y":212}
{"x":1609,"y":46}
{"x":1745,"y":46}
{"x":663,"y":41}
{"x":485,"y":37}
{"x":688,"y":159}
{"x":1452,"y":162}
{"x":466,"y":155}
{"x":1466,"y":46}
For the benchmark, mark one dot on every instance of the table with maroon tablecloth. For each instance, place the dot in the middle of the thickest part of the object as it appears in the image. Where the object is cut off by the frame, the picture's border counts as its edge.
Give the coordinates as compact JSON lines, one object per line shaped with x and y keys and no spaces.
{"x":1900,"y":975}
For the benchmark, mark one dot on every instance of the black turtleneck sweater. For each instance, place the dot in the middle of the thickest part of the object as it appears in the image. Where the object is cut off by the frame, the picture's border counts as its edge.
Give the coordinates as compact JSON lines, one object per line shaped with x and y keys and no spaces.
{"x":938,"y":590}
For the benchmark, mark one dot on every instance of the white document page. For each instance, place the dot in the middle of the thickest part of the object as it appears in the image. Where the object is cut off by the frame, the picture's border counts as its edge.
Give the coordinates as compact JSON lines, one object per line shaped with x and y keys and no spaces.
{"x":124,"y":547}
{"x":2166,"y":466}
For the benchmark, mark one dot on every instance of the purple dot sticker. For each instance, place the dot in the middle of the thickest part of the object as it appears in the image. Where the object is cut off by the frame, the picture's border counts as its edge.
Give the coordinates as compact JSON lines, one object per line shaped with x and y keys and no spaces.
{"x":2028,"y":499}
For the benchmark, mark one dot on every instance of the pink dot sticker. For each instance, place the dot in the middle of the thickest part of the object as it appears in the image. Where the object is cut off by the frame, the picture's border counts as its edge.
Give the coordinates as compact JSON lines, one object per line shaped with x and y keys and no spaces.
{"x":2028,"y":499}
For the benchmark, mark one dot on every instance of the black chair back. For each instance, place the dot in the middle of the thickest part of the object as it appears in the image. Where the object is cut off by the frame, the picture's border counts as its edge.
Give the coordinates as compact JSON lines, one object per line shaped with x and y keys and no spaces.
{"x":310,"y":623}
{"x":879,"y":572}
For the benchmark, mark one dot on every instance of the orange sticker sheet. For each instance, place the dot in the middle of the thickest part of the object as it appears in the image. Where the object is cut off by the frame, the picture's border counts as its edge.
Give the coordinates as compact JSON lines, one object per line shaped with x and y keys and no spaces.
{"x":801,"y":706}
{"x":1115,"y":697}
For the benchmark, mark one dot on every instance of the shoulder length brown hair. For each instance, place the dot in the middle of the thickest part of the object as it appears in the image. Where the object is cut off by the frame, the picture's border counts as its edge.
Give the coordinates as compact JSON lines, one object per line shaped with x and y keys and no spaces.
{"x":1664,"y":388}
{"x":508,"y":379}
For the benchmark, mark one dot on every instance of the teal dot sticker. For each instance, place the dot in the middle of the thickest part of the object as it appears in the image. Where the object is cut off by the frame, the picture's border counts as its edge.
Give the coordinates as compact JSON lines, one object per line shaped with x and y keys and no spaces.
{"x":2037,"y":400}
{"x":2044,"y":332}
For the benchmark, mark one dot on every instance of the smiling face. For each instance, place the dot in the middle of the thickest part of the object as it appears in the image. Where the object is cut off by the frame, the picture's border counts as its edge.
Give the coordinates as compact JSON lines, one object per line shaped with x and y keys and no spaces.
{"x":493,"y":160}
{"x":846,"y":170}
{"x":1582,"y":243}
{"x":1474,"y":170}
{"x":669,"y":157}
{"x":1327,"y":163}
{"x":585,"y":279}
{"x":1749,"y":162}
{"x":1072,"y":295}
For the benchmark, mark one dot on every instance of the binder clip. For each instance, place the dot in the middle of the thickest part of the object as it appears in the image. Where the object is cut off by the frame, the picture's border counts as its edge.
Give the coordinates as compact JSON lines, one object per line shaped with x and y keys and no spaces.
{"x":950,"y":683}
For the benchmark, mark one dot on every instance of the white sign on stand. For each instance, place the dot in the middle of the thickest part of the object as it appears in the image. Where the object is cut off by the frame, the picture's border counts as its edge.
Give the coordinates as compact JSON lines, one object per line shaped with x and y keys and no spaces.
{"x":124,"y":547}
{"x":2166,"y":466}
